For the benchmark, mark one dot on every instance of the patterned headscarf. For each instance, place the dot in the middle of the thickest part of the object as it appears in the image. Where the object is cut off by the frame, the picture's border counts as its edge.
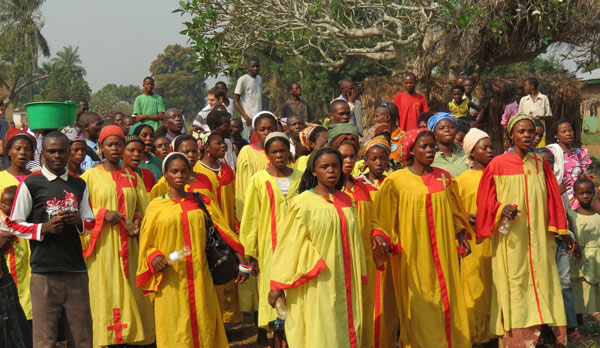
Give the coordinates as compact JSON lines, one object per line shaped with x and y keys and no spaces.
{"x":380,"y":141}
{"x":471,"y":139}
{"x":517,"y":118}
{"x":409,"y":140}
{"x":435,"y":119}
{"x":305,"y":136}
{"x":73,"y":134}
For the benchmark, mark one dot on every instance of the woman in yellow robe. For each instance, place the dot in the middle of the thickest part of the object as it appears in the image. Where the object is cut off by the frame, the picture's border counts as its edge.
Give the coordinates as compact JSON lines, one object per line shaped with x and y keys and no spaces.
{"x":121,"y":314}
{"x":527,"y":291}
{"x":266,"y":205}
{"x":476,"y":270}
{"x":19,"y":148}
{"x":319,"y":260}
{"x":311,"y":138}
{"x":420,"y":208}
{"x":344,"y":138}
{"x":252,"y":159}
{"x":222,"y":179}
{"x":187,"y":312}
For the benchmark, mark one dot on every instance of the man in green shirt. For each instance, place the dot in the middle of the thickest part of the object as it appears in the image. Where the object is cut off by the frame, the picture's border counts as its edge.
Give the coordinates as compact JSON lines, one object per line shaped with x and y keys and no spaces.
{"x":149,"y":108}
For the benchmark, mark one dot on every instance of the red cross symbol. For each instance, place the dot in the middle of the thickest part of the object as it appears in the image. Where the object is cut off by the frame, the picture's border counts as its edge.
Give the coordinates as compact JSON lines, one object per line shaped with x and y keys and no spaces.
{"x":537,"y":159}
{"x":117,"y":327}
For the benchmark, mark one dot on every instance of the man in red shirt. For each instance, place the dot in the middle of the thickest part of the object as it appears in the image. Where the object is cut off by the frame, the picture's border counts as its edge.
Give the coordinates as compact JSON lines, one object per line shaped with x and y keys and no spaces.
{"x":410,"y":104}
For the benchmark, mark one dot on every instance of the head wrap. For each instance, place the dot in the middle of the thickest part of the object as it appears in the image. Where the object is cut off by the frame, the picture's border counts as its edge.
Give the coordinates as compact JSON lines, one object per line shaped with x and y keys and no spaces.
{"x":132,"y":138}
{"x":13,"y":132}
{"x":516,"y":118}
{"x":136,"y":126}
{"x":380,"y":141}
{"x":342,"y":132}
{"x":73,"y":134}
{"x":164,"y":163}
{"x":260,"y":113}
{"x":471,"y":139}
{"x":110,"y":130}
{"x":435,"y":119}
{"x":409,"y":140}
{"x":305,"y":136}
{"x":276,"y":135}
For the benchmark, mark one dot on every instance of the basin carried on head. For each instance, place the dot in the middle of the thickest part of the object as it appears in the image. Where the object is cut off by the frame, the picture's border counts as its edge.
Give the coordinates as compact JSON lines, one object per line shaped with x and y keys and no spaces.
{"x":51,"y":115}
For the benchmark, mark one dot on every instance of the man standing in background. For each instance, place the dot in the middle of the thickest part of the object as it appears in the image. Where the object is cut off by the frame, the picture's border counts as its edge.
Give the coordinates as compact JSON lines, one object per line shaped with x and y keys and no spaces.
{"x":247,"y":96}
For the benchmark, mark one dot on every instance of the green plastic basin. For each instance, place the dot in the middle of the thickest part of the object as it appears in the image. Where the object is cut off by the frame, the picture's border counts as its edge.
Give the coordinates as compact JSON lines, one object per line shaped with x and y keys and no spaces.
{"x":51,"y":115}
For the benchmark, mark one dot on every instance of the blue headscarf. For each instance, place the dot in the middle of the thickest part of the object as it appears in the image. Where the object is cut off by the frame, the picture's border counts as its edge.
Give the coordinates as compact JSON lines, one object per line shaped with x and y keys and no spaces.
{"x":435,"y":119}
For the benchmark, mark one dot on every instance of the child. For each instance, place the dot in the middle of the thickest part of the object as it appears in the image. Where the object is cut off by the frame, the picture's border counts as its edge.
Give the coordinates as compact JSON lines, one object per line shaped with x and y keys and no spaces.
{"x":15,"y":332}
{"x":422,"y":120}
{"x":236,"y":130}
{"x":459,"y":106}
{"x":149,"y":108}
{"x":78,"y":149}
{"x":585,"y":222}
{"x":161,"y":147}
{"x":461,"y":130}
{"x":220,"y":122}
{"x":540,"y":129}
{"x":118,"y":118}
{"x":90,"y":124}
{"x":128,"y":122}
{"x":377,"y":154}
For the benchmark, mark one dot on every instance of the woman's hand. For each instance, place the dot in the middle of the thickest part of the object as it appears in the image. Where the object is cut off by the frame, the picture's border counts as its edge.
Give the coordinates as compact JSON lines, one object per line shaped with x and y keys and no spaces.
{"x":576,"y":251}
{"x":241,"y":277}
{"x":463,"y":243}
{"x":381,"y":243}
{"x":159,"y":263}
{"x":274,"y":295}
{"x":563,"y":186}
{"x":255,"y":269}
{"x":510,"y":211}
{"x":113,"y":217}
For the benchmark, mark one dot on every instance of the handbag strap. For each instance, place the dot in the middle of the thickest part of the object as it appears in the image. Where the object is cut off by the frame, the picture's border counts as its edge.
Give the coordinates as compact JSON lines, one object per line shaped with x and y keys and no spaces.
{"x":208,"y":223}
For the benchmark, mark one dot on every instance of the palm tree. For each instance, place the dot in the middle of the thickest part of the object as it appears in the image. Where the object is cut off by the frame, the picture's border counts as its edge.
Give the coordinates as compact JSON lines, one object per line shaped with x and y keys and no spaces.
{"x":68,"y":57}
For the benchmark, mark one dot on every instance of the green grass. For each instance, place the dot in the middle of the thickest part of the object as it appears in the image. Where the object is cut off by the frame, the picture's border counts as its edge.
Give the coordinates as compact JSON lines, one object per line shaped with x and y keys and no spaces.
{"x":590,"y":139}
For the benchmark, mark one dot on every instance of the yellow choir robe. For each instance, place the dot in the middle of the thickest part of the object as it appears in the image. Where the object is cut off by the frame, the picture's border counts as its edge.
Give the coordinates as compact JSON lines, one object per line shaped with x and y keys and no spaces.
{"x":187,"y":311}
{"x":527,"y":289}
{"x":121,"y":314}
{"x":319,"y":261}
{"x":424,"y":214}
{"x":223,"y":190}
{"x":369,"y":228}
{"x":17,"y":257}
{"x":264,"y":211}
{"x":250,"y":161}
{"x":200,"y":183}
{"x":301,"y":163}
{"x":476,"y":269}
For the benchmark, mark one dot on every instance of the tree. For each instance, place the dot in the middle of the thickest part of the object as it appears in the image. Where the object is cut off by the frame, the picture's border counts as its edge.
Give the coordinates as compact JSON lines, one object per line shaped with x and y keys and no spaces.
{"x":422,"y":35}
{"x":21,"y":43}
{"x":106,"y":102}
{"x":67,"y":81}
{"x":173,"y":71}
{"x":68,"y":57}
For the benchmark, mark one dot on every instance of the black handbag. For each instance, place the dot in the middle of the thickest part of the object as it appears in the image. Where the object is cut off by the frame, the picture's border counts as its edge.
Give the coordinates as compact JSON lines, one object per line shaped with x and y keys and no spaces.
{"x":222,"y":263}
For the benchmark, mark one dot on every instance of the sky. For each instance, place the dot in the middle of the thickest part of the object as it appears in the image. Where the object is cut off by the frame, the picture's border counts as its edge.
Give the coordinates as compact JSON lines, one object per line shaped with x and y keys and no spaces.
{"x":117,"y":39}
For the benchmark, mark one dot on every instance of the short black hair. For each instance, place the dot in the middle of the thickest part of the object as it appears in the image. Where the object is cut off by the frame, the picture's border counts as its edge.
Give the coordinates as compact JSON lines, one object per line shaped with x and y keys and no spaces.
{"x":424,"y":116}
{"x":117,"y":114}
{"x":291,"y":85}
{"x":457,"y":86}
{"x":315,"y":133}
{"x":140,"y":128}
{"x":10,"y":190}
{"x":54,"y":135}
{"x":253,"y":59}
{"x":85,"y":118}
{"x":410,"y":74}
{"x":539,"y":123}
{"x":533,"y":81}
{"x":181,"y":138}
{"x":583,"y":181}
{"x":334,"y":103}
{"x":176,"y":156}
{"x":215,"y":117}
{"x":462,"y":126}
{"x":221,"y":83}
{"x":309,"y":181}
{"x":148,"y":78}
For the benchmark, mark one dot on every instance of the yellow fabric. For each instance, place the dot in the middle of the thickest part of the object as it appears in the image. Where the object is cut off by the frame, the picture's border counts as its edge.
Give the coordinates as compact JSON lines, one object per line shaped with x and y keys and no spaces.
{"x":250,"y":161}
{"x":301,"y":163}
{"x":21,"y":253}
{"x":161,"y":188}
{"x":109,"y":287}
{"x":317,"y":310}
{"x":164,"y":232}
{"x":514,"y":305}
{"x":401,"y":205}
{"x":461,"y":110}
{"x":256,"y":233}
{"x":585,"y":274}
{"x":476,"y":269}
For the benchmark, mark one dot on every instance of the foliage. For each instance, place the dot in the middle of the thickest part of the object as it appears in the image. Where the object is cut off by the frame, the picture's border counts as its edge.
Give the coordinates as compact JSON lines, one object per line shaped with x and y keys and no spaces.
{"x":21,"y":43}
{"x":107,"y":101}
{"x":534,"y":66}
{"x":126,"y":93}
{"x":445,"y":36}
{"x":173,"y":71}
{"x":67,"y":81}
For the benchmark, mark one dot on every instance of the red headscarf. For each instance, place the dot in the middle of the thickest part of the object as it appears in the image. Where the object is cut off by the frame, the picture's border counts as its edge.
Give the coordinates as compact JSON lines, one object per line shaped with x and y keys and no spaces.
{"x":110,"y":130}
{"x":409,"y":140}
{"x":13,"y":132}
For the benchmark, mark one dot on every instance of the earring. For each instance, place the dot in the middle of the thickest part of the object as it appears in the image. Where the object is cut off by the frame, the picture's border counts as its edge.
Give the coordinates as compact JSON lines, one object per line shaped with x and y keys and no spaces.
{"x":208,"y":154}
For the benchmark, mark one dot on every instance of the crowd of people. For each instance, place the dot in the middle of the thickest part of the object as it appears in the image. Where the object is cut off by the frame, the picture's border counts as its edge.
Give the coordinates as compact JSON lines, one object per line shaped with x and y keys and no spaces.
{"x":407,"y":230}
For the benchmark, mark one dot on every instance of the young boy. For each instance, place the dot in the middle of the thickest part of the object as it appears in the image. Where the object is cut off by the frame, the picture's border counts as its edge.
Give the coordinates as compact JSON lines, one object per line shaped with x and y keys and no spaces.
{"x":118,"y":119}
{"x":220,"y":122}
{"x":149,"y":108}
{"x":459,"y":106}
{"x":422,"y":120}
{"x":461,"y":130}
{"x":247,"y":97}
{"x":90,"y":124}
{"x":128,"y":122}
{"x":15,"y":332}
{"x":540,"y":129}
{"x":410,"y":104}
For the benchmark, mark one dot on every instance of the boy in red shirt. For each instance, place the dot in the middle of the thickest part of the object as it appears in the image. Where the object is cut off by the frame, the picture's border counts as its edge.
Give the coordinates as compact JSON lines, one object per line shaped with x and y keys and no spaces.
{"x":410,"y":104}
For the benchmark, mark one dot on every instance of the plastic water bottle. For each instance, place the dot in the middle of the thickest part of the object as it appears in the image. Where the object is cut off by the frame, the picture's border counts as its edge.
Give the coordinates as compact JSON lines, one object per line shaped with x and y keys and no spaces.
{"x":179,"y":255}
{"x":281,"y":308}
{"x":505,"y":224}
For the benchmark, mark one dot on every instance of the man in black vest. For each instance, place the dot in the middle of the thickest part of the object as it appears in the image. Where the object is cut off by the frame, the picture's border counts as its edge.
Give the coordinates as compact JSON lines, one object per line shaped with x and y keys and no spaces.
{"x":51,"y":209}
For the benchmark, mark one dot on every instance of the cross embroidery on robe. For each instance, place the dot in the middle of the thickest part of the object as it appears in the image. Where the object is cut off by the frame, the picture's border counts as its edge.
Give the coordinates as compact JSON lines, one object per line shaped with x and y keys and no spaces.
{"x":117,"y":326}
{"x":123,"y":180}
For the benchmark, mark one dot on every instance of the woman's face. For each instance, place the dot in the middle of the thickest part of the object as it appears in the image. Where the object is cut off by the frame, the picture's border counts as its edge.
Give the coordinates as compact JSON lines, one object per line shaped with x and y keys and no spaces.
{"x":483,"y":152}
{"x":327,"y":170}
{"x":349,"y":156}
{"x":321,"y":140}
{"x":162,"y":147}
{"x":132,"y":156}
{"x":78,"y":152}
{"x":177,"y":174}
{"x":377,"y":160}
{"x":279,"y":154}
{"x":20,"y":153}
{"x":565,"y":133}
{"x":263,"y":127}
{"x":147,"y":136}
{"x":216,"y":147}
{"x":190,"y":149}
{"x":112,"y":148}
{"x":522,"y":135}
{"x":424,"y":150}
{"x":445,"y":132}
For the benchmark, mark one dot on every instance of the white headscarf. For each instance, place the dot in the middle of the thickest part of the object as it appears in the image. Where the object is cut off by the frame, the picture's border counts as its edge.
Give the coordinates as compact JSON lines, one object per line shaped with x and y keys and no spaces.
{"x":471,"y":139}
{"x":260,"y":113}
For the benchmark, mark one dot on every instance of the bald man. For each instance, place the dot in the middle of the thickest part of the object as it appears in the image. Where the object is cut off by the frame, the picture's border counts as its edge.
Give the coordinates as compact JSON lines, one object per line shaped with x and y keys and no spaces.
{"x":349,"y":96}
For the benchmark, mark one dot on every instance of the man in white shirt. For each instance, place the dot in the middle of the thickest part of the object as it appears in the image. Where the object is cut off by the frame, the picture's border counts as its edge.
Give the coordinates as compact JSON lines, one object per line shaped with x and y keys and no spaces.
{"x":228,"y":102}
{"x":247,"y":96}
{"x":216,"y":96}
{"x":535,"y":104}
{"x":349,"y":96}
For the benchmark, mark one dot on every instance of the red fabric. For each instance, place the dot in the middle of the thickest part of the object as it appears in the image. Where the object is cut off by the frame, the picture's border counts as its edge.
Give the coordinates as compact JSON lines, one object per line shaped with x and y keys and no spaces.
{"x":438,"y":180}
{"x":107,"y":131}
{"x":123,"y":179}
{"x":226,"y":174}
{"x":360,"y":192}
{"x":117,"y":327}
{"x":148,"y":179}
{"x":99,"y":222}
{"x":397,"y":248}
{"x":410,"y":106}
{"x":201,"y":181}
{"x":13,"y":263}
{"x":13,"y":132}
{"x":439,"y":271}
{"x":188,"y":205}
{"x":409,"y":140}
{"x":144,"y":277}
{"x":271,"y":195}
{"x":487,"y":202}
{"x":377,"y":322}
{"x":556,"y":211}
{"x":320,"y":266}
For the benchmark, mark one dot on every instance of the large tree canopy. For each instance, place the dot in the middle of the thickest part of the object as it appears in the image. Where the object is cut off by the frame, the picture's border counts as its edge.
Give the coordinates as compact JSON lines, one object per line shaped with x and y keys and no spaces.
{"x":421,"y":35}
